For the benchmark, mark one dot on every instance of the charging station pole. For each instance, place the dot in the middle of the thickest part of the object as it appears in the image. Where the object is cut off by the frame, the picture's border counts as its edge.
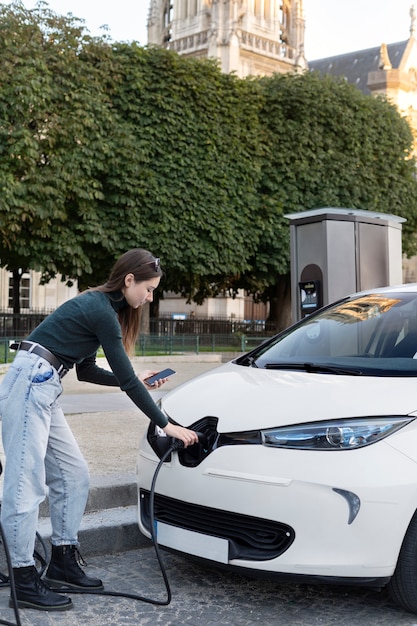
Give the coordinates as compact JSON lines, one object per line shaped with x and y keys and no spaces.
{"x":337,"y":251}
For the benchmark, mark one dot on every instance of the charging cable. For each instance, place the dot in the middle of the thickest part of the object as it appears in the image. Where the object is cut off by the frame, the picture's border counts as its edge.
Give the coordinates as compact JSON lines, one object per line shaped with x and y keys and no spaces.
{"x":177,"y":444}
{"x":9,"y":581}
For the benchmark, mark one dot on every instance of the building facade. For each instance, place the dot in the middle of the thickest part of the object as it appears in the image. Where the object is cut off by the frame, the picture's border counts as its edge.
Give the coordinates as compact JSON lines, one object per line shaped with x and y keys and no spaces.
{"x":389,"y":70}
{"x":247,"y":37}
{"x":260,"y":37}
{"x":33,"y":296}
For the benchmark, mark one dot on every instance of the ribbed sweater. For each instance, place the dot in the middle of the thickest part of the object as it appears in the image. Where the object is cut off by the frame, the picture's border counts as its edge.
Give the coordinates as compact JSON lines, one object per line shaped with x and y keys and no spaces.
{"x":74,"y":333}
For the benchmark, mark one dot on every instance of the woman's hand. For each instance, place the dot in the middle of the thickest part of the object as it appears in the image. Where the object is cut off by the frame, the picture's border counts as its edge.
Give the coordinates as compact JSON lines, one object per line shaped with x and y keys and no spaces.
{"x":188,"y":437}
{"x":146,"y":374}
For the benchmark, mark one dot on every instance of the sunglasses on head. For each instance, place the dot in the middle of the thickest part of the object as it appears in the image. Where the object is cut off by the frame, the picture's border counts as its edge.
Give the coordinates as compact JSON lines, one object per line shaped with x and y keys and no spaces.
{"x":156,"y":264}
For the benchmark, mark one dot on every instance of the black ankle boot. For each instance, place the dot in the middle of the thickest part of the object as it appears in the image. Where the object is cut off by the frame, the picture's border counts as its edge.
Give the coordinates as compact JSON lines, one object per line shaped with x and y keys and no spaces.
{"x":33,"y":593}
{"x":64,"y":570}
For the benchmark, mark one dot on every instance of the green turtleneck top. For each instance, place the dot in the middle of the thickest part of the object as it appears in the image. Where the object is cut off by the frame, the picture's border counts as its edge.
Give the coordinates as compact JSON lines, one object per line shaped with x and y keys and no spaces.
{"x":75,"y":331}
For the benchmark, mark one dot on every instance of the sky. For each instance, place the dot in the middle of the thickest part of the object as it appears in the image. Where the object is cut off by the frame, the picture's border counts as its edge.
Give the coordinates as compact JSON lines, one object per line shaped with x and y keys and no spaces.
{"x":332,"y":26}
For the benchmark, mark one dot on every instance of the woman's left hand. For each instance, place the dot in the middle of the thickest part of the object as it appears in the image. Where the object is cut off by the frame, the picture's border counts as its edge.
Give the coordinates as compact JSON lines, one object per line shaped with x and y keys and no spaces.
{"x":143,"y":375}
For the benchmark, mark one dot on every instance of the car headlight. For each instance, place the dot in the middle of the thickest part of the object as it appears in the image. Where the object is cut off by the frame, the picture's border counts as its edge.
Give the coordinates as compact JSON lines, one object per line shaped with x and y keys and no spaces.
{"x":344,"y":434}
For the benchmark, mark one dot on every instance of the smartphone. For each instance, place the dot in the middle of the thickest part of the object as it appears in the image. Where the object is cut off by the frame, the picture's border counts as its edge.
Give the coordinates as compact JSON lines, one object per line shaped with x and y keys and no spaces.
{"x":163,"y":374}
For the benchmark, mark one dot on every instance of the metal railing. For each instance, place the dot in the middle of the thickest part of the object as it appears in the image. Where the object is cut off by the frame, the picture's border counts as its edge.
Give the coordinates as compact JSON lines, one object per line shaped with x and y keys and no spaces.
{"x":153,"y":345}
{"x":167,"y":334}
{"x":192,"y":343}
{"x":20,"y":325}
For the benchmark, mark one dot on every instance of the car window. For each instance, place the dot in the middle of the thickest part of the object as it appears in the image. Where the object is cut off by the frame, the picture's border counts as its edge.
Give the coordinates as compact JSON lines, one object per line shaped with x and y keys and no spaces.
{"x":370,"y":328}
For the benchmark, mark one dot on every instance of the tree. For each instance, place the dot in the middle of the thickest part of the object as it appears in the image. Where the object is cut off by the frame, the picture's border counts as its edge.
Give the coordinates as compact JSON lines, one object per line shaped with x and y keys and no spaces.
{"x":118,"y":146}
{"x":185,"y":176}
{"x":55,"y":124}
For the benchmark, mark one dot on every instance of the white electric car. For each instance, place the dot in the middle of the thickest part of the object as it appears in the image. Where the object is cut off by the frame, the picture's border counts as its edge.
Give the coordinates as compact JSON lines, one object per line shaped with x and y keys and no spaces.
{"x":307,"y":465}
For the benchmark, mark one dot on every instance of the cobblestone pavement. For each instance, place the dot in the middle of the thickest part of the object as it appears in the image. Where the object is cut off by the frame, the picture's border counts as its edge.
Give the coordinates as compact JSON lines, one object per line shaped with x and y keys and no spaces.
{"x":208,"y":596}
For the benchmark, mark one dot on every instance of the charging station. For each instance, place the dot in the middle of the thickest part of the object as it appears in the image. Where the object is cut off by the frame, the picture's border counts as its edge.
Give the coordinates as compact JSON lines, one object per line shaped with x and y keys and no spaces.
{"x":337,"y":251}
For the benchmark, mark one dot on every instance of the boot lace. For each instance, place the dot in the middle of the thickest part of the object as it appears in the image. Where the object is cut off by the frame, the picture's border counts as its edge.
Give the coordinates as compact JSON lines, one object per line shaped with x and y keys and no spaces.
{"x":78,"y":557}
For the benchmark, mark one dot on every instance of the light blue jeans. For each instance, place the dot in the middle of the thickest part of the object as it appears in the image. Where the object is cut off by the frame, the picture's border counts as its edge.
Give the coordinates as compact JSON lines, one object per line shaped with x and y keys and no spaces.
{"x":41,"y":453}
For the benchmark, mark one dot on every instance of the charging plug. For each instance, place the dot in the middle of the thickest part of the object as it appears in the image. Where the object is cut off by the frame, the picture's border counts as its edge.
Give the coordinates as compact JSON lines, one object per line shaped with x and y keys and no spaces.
{"x":177,"y":444}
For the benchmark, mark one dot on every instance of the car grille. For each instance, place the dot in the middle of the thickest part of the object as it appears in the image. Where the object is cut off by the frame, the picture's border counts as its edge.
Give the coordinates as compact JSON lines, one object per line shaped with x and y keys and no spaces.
{"x":250,"y":538}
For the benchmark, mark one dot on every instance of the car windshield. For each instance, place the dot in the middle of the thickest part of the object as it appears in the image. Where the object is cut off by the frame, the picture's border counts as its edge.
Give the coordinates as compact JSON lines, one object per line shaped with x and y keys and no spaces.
{"x":370,"y":335}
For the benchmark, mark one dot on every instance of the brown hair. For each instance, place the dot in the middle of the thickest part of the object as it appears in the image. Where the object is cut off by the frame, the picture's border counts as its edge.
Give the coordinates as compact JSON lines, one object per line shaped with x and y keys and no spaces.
{"x":144,"y":266}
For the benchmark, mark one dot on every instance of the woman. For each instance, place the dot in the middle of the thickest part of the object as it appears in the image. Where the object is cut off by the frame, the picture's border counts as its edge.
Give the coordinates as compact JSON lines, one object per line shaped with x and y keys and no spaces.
{"x":39,"y":446}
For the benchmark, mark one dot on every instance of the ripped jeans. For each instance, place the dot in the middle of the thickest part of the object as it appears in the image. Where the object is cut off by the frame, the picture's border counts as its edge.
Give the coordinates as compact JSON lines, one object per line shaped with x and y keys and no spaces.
{"x":41,"y":453}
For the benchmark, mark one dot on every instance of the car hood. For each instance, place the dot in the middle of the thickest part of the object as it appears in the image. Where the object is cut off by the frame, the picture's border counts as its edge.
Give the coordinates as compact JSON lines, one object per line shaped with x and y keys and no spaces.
{"x":244,"y":398}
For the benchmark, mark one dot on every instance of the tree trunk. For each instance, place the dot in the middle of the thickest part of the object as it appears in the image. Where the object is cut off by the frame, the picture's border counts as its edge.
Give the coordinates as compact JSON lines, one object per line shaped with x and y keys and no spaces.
{"x":17,"y":277}
{"x":154,"y":306}
{"x":280,"y":303}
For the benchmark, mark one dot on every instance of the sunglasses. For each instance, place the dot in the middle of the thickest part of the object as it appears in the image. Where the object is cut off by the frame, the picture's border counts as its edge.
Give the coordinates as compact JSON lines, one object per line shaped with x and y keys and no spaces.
{"x":156,"y":264}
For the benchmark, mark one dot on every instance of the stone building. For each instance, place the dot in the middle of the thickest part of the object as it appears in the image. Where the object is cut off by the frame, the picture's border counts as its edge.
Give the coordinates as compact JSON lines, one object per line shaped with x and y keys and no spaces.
{"x":33,"y":296}
{"x":248,"y":37}
{"x":389,"y":70}
{"x":260,"y":37}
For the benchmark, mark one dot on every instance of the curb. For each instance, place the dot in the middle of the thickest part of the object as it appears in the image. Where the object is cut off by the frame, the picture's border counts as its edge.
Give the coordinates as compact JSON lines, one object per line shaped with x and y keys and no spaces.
{"x":104,"y":532}
{"x":110,"y":521}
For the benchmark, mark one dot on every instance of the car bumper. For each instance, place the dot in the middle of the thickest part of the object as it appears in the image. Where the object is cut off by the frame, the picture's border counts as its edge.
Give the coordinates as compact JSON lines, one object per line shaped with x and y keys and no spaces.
{"x":293,"y":488}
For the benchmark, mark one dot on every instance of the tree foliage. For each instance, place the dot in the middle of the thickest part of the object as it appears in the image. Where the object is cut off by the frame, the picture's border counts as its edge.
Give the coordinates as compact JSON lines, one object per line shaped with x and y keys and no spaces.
{"x":114,"y":146}
{"x":106,"y":146}
{"x":54,"y":122}
{"x":184,"y":177}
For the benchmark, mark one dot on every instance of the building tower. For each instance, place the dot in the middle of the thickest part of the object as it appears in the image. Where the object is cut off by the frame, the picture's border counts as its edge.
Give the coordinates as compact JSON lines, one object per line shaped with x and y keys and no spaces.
{"x":248,"y":37}
{"x":389,"y":70}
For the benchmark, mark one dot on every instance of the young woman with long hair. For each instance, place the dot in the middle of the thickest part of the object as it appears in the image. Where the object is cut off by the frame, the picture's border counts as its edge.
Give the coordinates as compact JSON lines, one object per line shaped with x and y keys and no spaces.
{"x":41,"y":452}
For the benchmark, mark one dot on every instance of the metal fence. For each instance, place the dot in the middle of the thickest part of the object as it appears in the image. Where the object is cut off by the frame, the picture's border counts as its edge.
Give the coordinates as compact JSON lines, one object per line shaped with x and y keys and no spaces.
{"x":209,"y":326}
{"x":19,"y":325}
{"x":167,"y":335}
{"x":153,"y":345}
{"x":211,"y":342}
